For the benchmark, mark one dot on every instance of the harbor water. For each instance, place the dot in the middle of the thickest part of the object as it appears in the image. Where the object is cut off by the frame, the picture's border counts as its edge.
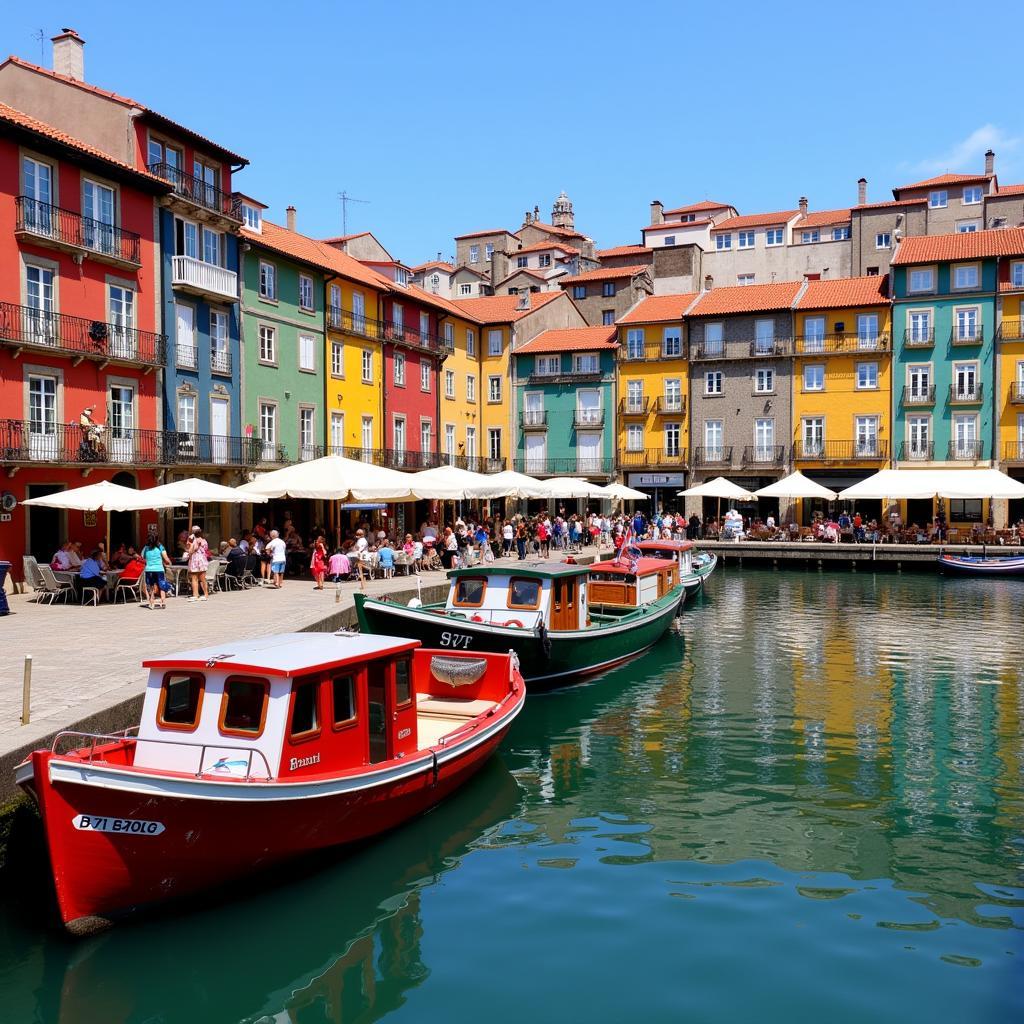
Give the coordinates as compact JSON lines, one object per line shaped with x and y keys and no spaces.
{"x":806,"y":803}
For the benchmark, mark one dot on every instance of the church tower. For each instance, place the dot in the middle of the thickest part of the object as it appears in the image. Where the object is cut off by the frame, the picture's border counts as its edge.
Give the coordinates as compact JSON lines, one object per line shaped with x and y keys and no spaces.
{"x":561,"y":213}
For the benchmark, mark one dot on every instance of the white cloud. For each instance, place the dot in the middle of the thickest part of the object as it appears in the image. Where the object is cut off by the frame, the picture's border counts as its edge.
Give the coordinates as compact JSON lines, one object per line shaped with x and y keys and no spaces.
{"x":969,"y":154}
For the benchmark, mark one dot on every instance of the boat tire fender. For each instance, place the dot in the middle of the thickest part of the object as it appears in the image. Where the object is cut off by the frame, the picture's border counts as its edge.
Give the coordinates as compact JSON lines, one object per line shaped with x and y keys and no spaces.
{"x":433,"y":769}
{"x":514,"y":622}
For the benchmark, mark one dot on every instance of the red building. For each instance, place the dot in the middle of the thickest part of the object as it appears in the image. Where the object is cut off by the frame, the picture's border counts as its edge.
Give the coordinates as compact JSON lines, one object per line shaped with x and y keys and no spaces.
{"x":79,"y":330}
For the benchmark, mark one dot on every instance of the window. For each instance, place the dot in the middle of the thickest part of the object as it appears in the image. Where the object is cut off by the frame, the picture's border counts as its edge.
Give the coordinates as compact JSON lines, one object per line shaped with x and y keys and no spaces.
{"x":883,"y":240}
{"x":359,"y":312}
{"x":672,"y":341}
{"x":635,"y":343}
{"x":488,"y":251}
{"x":268,"y":344}
{"x":812,"y":431}
{"x":398,"y":434}
{"x":866,"y":439}
{"x":713,"y":440}
{"x":474,"y":254}
{"x":211,"y":247}
{"x":337,"y":432}
{"x":607,"y":317}
{"x":608,"y":289}
{"x":809,"y":236}
{"x":367,"y":359}
{"x":398,"y":318}
{"x":243,"y":707}
{"x":400,"y":369}
{"x":544,"y":259}
{"x":972,"y":195}
{"x":814,"y":334}
{"x":522,"y":261}
{"x":742,"y":279}
{"x":37,"y":183}
{"x":252,"y":217}
{"x":579,"y":291}
{"x":920,"y":330}
{"x":449,"y":383}
{"x":672,"y":435}
{"x":867,"y":376}
{"x":122,"y":319}
{"x":919,"y":434}
{"x":220,"y":353}
{"x":494,"y":443}
{"x":494,"y":343}
{"x":524,"y":593}
{"x":494,"y":389}
{"x":343,"y":700}
{"x":186,"y":238}
{"x":268,"y":281}
{"x":470,"y":342}
{"x":426,"y":436}
{"x":867,"y":330}
{"x":424,"y":325}
{"x":305,"y":292}
{"x":307,"y":433}
{"x":966,"y":325}
{"x":673,"y":398}
{"x":366,"y":429}
{"x":586,"y":363}
{"x":546,"y":366}
{"x":965,"y":510}
{"x":635,"y":396}
{"x":305,"y":710}
{"x":1017,"y":275}
{"x":965,"y":436}
{"x":745,"y":240}
{"x":181,"y":697}
{"x":938,"y":200}
{"x":764,"y":335}
{"x":634,"y":437}
{"x":966,"y":276}
{"x":713,"y":339}
{"x":774,"y":236}
{"x":713,"y":382}
{"x":469,"y":592}
{"x":669,"y":240}
{"x":872,"y":272}
{"x":471,"y":442}
{"x":764,"y":381}
{"x":307,"y":352}
{"x":964,"y":227}
{"x":965,"y":381}
{"x":98,"y":214}
{"x":424,"y":376}
{"x":723,"y":242}
{"x":840,"y":234}
{"x":764,"y":440}
{"x":919,"y":382}
{"x":814,"y":377}
{"x":922,"y":280}
{"x":449,"y":441}
{"x":470,"y":388}
{"x":186,"y":414}
{"x":337,"y":359}
{"x":403,"y":682}
{"x":449,"y":336}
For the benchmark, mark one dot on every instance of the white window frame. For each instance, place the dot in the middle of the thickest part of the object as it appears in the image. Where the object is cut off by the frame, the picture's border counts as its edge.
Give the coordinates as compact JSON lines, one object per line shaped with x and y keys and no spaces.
{"x":307,"y":303}
{"x":398,"y":369}
{"x":883,"y":240}
{"x":470,"y":387}
{"x":366,"y":361}
{"x":764,"y":381}
{"x":267,"y":341}
{"x":723,"y":242}
{"x":938,"y":199}
{"x":337,"y":359}
{"x":866,"y":371}
{"x":972,"y":195}
{"x":268,"y":281}
{"x":818,"y":374}
{"x":424,"y":375}
{"x":633,"y":432}
{"x":775,"y":236}
{"x":746,"y":239}
{"x":957,"y":268}
{"x":494,"y":388}
{"x":307,"y":347}
{"x":713,"y":382}
{"x":449,"y":384}
{"x":921,"y":288}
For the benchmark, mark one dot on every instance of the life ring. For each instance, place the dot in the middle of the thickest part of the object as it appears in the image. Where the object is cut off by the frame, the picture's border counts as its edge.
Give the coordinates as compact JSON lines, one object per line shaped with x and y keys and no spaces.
{"x":513,"y":622}
{"x":477,"y":618}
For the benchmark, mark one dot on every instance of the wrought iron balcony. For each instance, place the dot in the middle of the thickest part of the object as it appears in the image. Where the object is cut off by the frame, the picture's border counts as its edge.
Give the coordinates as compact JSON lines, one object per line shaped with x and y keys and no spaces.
{"x":652,"y":458}
{"x":713,"y":456}
{"x":965,"y":395}
{"x":671,"y":405}
{"x":80,"y":337}
{"x":533,"y":419}
{"x":396,"y":458}
{"x":1010,"y":330}
{"x":71,"y":232}
{"x":919,"y":395}
{"x":758,"y":348}
{"x":1016,"y":395}
{"x":186,"y":357}
{"x":917,"y":451}
{"x":474,"y":463}
{"x":372,"y":456}
{"x":1013,"y":451}
{"x":964,"y":451}
{"x":967,"y":335}
{"x":207,"y":279}
{"x":915,"y":338}
{"x":764,"y":454}
{"x":220,"y":362}
{"x":339,"y":319}
{"x":868,"y":449}
{"x":588,"y":417}
{"x":198,"y":193}
{"x":634,"y":406}
{"x":849,"y":342}
{"x":651,"y":353}
{"x":412,"y":337}
{"x":573,"y":466}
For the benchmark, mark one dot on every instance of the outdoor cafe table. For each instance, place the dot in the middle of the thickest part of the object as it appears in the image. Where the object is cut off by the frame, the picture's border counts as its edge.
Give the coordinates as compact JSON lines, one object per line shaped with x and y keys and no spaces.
{"x":70,"y":575}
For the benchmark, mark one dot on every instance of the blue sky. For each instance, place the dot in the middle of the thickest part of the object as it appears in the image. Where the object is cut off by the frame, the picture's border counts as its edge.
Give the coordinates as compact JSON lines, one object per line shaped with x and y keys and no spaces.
{"x":451,"y":118}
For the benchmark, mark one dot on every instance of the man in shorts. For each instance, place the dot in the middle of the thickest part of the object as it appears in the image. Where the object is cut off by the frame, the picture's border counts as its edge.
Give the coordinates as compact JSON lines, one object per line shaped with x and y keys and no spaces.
{"x":278,"y":557}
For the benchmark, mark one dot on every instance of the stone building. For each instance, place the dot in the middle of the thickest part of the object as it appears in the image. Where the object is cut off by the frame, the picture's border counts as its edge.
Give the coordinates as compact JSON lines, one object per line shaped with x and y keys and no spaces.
{"x":606,"y":294}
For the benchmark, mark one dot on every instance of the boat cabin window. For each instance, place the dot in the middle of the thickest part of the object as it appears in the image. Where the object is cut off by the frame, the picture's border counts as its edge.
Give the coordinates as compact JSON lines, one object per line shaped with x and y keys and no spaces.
{"x":403,"y":682}
{"x":305,"y":709}
{"x":343,"y":696}
{"x":524,"y":593}
{"x":181,"y":697}
{"x":243,"y":708}
{"x":469,"y":592}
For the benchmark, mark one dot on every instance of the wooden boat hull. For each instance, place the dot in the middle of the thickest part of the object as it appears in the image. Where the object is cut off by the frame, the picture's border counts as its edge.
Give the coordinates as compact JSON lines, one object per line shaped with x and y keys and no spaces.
{"x":123,"y":839}
{"x":546,"y":663}
{"x":973,"y":565}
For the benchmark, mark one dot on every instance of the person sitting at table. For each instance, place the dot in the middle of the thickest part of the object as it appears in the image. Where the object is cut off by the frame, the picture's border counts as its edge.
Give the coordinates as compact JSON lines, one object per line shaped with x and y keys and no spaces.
{"x":75,"y":555}
{"x":61,"y":560}
{"x":91,"y":577}
{"x":386,"y":555}
{"x":235,"y":557}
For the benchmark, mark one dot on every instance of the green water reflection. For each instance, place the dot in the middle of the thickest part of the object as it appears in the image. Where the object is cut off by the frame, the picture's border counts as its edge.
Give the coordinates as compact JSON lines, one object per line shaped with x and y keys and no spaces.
{"x":807,"y":801}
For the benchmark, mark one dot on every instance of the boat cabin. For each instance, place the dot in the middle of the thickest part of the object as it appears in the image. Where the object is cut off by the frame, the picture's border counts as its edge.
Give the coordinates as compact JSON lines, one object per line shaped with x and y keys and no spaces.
{"x":552,"y":593}
{"x":680,"y":551}
{"x":300,"y":705}
{"x":629,"y":584}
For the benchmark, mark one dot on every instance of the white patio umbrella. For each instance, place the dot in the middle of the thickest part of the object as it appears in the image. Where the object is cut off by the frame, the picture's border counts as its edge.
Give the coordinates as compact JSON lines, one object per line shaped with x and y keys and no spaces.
{"x":104,"y":497}
{"x":449,"y":483}
{"x":796,"y":485}
{"x":718,"y":488}
{"x":195,"y":490}
{"x":932,"y":483}
{"x":334,"y":478}
{"x":624,"y":493}
{"x":572,"y":487}
{"x":518,"y":485}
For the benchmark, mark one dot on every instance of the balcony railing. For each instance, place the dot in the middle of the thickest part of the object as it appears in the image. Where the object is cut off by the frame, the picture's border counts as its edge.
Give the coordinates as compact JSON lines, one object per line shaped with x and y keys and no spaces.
{"x":1016,"y":395}
{"x":198,"y":192}
{"x":68,"y":443}
{"x":764,"y":454}
{"x":71,"y":231}
{"x":186,"y":357}
{"x":713,"y":456}
{"x":652,"y":458}
{"x":412,"y":337}
{"x":964,"y":451}
{"x":839,"y":451}
{"x":759,"y":348}
{"x":205,"y":278}
{"x":588,"y":418}
{"x":373,"y":456}
{"x":78,"y":336}
{"x":817,"y":344}
{"x":671,"y":405}
{"x":1011,"y":330}
{"x":533,"y":419}
{"x":918,"y":395}
{"x":1013,"y":451}
{"x":573,"y":466}
{"x":967,"y":335}
{"x":474,"y":463}
{"x":220,"y":362}
{"x":339,"y":319}
{"x":965,"y":395}
{"x":634,"y":406}
{"x":917,"y":451}
{"x":397,"y":458}
{"x":650,"y":353}
{"x":916,"y":338}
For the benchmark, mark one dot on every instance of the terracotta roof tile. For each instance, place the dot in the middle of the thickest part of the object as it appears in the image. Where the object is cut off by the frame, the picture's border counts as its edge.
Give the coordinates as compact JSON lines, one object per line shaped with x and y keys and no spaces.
{"x":345,"y":238}
{"x":946,"y":179}
{"x":522,"y":270}
{"x":501,"y":309}
{"x":842,"y":292}
{"x":480,"y":234}
{"x":704,"y":206}
{"x":623,"y":250}
{"x":471,"y":270}
{"x":964,"y":245}
{"x":678,"y":224}
{"x":756,"y":220}
{"x":605,"y":274}
{"x":659,"y":308}
{"x":551,"y":229}
{"x":1010,"y":190}
{"x":437,"y":301}
{"x":543,"y":246}
{"x":571,"y":339}
{"x":823,"y":219}
{"x":25,"y":121}
{"x":750,"y":298}
{"x":434,"y":265}
{"x":890,"y":202}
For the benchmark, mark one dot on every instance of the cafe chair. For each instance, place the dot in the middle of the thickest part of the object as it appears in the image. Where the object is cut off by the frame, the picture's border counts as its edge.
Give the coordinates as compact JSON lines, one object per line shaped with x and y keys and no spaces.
{"x":50,"y":588}
{"x":129,"y":588}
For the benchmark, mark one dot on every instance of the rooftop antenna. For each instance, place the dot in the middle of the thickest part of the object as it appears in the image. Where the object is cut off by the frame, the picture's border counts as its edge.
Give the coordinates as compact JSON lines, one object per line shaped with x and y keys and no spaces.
{"x":345,"y":200}
{"x":41,"y":36}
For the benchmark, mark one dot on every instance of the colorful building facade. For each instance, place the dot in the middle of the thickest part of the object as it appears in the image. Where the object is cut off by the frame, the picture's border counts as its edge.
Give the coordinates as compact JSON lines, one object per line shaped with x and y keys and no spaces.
{"x":1009,"y":391}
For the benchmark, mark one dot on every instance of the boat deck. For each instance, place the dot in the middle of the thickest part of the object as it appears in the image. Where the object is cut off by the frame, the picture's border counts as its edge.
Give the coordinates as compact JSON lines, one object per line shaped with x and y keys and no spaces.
{"x":439,"y":716}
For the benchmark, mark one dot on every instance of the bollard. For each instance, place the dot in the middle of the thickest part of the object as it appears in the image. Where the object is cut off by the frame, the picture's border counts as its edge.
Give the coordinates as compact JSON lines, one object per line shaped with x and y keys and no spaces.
{"x":26,"y":690}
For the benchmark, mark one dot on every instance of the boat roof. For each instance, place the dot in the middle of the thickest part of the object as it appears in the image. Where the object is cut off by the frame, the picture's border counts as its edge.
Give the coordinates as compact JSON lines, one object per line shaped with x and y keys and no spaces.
{"x":286,"y":654}
{"x":643,"y":566}
{"x":535,"y":570}
{"x":664,"y":545}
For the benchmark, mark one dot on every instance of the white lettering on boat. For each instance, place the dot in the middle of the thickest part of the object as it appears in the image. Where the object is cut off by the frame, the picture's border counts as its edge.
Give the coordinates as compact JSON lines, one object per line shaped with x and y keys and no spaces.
{"x":404,"y":733}
{"x":455,"y":639}
{"x":303,"y":762}
{"x":122,"y":826}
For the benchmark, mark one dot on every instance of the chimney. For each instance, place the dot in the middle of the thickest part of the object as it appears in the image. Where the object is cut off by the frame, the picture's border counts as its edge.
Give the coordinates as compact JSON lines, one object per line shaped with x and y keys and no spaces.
{"x":526,"y":217}
{"x":438,"y":257}
{"x":657,"y":212}
{"x":290,"y":217}
{"x":69,"y":54}
{"x":862,"y":191}
{"x":990,"y":162}
{"x":803,"y":206}
{"x":536,"y":213}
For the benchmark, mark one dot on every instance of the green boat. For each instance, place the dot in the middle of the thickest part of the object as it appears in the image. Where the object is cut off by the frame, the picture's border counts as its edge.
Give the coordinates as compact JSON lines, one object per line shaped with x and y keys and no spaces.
{"x":564,"y":621}
{"x":694,"y":566}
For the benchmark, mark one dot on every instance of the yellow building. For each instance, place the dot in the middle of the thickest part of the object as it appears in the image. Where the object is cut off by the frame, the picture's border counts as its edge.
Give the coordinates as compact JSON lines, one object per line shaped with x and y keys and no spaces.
{"x":842,"y":382}
{"x":653,"y":437}
{"x":1009,"y":394}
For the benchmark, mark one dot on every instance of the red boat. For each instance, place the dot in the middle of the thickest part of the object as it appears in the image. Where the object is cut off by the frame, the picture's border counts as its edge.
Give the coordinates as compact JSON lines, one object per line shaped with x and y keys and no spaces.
{"x":252,"y":752}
